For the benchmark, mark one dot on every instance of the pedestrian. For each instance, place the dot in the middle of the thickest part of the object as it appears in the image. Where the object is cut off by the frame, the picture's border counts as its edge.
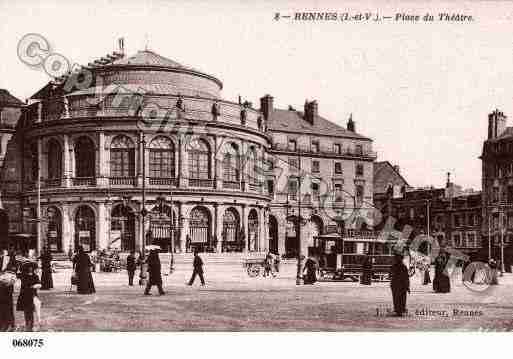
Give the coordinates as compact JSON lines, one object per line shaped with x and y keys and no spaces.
{"x":366,"y":278}
{"x":268,"y":265}
{"x":277,"y":263}
{"x":400,"y":285}
{"x":46,"y":270}
{"x":154,"y":271}
{"x":441,"y":282}
{"x":311,"y":270}
{"x":427,"y":278}
{"x":82,"y":266}
{"x":7,"y":279}
{"x":197,"y":265}
{"x":494,"y":280}
{"x":28,"y":298}
{"x":143,"y":272}
{"x":131,"y":267}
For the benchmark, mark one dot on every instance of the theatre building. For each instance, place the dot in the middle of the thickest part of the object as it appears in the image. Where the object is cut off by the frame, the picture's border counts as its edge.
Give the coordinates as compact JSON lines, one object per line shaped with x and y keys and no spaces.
{"x":148,"y":152}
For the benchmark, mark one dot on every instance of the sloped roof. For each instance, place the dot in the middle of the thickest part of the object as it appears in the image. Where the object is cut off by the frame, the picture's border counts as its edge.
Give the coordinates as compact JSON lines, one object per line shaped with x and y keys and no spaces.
{"x":6,"y":99}
{"x":379,"y":166}
{"x":293,"y":121}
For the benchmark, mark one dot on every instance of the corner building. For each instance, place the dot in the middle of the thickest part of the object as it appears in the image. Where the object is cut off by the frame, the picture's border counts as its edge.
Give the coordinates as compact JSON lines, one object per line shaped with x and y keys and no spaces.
{"x":148,"y":152}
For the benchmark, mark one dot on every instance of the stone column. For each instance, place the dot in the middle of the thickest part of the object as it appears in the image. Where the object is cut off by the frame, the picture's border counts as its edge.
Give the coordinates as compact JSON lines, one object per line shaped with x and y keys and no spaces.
{"x":185,"y":226}
{"x":139,"y":158}
{"x":103,"y":227}
{"x":216,"y":225}
{"x":262,"y":235}
{"x":67,"y":237}
{"x":184,"y":165}
{"x":243,"y":162}
{"x":219,"y":232}
{"x":244,"y":224}
{"x":282,"y":232}
{"x":103,"y":162}
{"x":66,"y":165}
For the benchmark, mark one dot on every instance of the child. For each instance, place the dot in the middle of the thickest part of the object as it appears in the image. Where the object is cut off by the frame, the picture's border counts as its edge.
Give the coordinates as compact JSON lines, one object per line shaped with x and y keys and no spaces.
{"x":28,"y":301}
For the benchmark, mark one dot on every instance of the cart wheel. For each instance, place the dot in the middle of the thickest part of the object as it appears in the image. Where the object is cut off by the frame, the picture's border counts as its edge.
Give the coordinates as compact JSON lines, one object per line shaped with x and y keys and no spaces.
{"x":253,"y":270}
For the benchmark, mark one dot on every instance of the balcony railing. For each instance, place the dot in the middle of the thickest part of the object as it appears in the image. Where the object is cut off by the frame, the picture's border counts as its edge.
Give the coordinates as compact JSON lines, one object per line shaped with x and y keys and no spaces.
{"x":257,"y":187}
{"x":162,"y":181}
{"x":53,"y":182}
{"x":122,"y":181}
{"x":205,"y":183}
{"x":344,"y":152}
{"x":84,"y":181}
{"x":231,"y":184}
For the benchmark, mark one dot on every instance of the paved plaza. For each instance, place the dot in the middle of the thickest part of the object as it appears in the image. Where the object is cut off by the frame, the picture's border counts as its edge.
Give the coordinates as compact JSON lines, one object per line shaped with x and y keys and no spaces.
{"x":233,"y":301}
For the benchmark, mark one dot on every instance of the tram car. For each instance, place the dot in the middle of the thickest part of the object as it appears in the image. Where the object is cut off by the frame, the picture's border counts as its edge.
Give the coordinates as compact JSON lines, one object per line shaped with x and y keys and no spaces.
{"x":341,"y":258}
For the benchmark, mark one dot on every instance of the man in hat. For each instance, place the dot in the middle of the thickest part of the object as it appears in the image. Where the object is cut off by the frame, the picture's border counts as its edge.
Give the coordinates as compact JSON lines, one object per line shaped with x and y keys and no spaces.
{"x":155,"y":274}
{"x":400,"y":284}
{"x":197,"y":265}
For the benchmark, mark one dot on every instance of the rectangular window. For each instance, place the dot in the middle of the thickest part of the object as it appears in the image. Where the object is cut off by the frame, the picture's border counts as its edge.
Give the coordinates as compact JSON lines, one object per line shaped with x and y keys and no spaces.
{"x":293,"y":164}
{"x":292,"y":145}
{"x":359,"y":169}
{"x":495,"y":194}
{"x":456,"y":220}
{"x":338,"y":168}
{"x":359,"y":149}
{"x":315,"y":146}
{"x":359,"y":195}
{"x":315,"y":166}
{"x":315,"y":191}
{"x":162,"y":164}
{"x":293,"y":189}
{"x":122,"y":162}
{"x":338,"y":148}
{"x":270,"y":187}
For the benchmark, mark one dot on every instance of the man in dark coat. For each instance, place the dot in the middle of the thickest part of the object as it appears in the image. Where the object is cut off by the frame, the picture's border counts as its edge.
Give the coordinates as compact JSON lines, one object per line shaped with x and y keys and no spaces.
{"x":46,"y":270}
{"x":441,"y":282}
{"x":131,"y":265}
{"x":311,"y":270}
{"x":8,"y":264}
{"x":366,"y":277}
{"x":154,"y":271}
{"x":400,"y":284}
{"x":28,"y":290}
{"x":82,"y":265}
{"x":197,"y":265}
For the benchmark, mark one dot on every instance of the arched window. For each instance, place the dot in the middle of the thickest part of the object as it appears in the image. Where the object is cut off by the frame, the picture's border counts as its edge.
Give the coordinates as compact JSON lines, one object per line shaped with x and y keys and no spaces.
{"x":199,"y":160}
{"x":84,"y":157}
{"x":199,"y":229}
{"x":162,"y":158}
{"x":231,"y":171}
{"x":122,"y":157}
{"x":54,"y":229}
{"x":54,"y":160}
{"x":122,"y":228}
{"x":85,"y":228}
{"x":231,"y":228}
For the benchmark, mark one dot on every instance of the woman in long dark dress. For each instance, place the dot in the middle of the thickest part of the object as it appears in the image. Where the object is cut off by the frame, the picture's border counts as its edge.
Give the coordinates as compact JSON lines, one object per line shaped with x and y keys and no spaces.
{"x":29,"y":284}
{"x":154,"y":271}
{"x":46,"y":270}
{"x":311,"y":269}
{"x":7,"y":264}
{"x":82,"y":265}
{"x":366,"y":278}
{"x":441,"y":282}
{"x":400,"y":284}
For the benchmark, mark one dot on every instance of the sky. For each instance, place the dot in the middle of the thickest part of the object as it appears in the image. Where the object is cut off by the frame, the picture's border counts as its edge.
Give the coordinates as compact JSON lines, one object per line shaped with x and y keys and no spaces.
{"x":421,"y":91}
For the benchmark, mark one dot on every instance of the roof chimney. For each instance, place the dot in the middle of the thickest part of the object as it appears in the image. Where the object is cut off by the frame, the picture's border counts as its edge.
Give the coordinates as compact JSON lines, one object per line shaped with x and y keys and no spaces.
{"x":351,"y":124}
{"x":266,"y":106}
{"x":311,"y":111}
{"x":397,"y":168}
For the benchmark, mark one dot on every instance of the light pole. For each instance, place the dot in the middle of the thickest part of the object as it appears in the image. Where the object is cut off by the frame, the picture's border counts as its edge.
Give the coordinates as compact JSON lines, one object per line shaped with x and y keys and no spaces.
{"x":143,"y":212}
{"x":339,"y":219}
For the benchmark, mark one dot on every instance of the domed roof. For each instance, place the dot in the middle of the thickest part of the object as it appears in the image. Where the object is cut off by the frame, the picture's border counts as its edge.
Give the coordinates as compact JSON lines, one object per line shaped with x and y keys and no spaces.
{"x":148,"y":58}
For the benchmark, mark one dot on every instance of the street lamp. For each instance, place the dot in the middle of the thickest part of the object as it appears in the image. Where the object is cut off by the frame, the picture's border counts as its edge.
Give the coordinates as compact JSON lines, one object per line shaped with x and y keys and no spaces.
{"x":339,"y":219}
